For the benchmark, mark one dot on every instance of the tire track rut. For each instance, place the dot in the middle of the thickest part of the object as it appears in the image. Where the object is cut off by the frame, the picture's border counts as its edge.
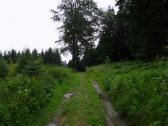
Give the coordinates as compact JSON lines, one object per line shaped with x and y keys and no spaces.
{"x":111,"y":115}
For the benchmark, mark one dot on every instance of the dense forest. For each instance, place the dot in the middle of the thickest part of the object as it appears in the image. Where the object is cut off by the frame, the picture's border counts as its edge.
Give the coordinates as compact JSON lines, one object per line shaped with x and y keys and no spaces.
{"x":123,"y":52}
{"x":137,"y":31}
{"x":49,"y":56}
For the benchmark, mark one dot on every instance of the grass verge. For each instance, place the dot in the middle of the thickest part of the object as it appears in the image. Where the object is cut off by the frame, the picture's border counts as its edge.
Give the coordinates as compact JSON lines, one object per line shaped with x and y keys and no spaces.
{"x":85,"y":107}
{"x":139,"y":91}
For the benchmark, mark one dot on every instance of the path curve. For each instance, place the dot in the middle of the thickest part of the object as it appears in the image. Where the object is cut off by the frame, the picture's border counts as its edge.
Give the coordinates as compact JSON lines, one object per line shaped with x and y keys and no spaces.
{"x":111,"y":116}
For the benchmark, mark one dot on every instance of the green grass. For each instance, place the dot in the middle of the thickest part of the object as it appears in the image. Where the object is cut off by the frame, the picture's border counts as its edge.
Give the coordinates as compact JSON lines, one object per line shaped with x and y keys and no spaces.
{"x":85,"y":108}
{"x":139,"y":91}
{"x":54,"y":106}
{"x":30,"y":100}
{"x":37,"y":100}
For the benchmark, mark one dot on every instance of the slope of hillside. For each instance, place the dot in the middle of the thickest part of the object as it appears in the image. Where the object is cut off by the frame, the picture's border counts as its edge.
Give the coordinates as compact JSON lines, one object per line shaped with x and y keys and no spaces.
{"x":139,"y":91}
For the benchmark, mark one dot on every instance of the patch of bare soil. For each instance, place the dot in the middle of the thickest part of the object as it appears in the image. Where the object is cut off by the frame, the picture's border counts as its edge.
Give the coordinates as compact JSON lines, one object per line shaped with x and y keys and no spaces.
{"x":112,"y":117}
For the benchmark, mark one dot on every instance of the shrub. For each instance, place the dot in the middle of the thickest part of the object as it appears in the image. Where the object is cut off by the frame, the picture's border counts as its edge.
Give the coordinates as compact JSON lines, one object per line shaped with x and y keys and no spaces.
{"x":3,"y":68}
{"x":29,"y":66}
{"x":139,"y":91}
{"x":107,"y":85}
{"x":22,"y":96}
{"x":12,"y":70}
{"x":33,"y":68}
{"x":58,"y":73}
{"x":25,"y":94}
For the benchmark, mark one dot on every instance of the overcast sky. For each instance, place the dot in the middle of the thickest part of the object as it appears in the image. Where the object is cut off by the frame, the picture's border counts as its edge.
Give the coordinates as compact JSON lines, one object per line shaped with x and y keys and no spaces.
{"x":27,"y":23}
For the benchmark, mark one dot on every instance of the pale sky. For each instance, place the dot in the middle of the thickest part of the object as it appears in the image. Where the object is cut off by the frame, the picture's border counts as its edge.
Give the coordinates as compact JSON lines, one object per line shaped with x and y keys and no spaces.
{"x":27,"y":23}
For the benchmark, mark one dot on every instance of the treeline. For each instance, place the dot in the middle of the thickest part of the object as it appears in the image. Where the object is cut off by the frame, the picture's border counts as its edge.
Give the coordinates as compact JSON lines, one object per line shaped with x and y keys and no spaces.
{"x":49,"y":56}
{"x":139,"y":30}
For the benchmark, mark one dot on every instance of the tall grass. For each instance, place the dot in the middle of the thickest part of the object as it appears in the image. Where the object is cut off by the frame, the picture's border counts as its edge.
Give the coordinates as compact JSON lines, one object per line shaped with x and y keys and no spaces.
{"x":22,"y":95}
{"x":139,"y":91}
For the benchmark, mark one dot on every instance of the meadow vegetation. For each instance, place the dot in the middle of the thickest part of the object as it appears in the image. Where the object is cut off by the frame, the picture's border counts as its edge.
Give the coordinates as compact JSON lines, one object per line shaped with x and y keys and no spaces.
{"x":32,"y":94}
{"x":33,"y":84}
{"x":27,"y":87}
{"x":85,"y":108}
{"x":139,"y":91}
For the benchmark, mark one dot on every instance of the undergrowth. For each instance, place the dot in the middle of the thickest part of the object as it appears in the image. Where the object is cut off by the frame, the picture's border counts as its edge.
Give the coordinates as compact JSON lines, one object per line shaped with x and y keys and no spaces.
{"x":23,"y":96}
{"x":139,"y":91}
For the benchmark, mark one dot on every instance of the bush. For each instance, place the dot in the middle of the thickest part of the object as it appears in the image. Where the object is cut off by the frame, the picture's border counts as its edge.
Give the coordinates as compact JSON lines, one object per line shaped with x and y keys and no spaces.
{"x":12,"y":70}
{"x":139,"y":91}
{"x":58,"y":73}
{"x":22,"y":96}
{"x":29,"y":66}
{"x":142,"y":96}
{"x":3,"y":68}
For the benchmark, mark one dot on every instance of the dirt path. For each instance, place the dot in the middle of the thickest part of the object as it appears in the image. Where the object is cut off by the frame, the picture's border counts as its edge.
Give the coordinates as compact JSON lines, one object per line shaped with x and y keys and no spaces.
{"x":54,"y":123}
{"x":85,"y":106}
{"x":111,"y":116}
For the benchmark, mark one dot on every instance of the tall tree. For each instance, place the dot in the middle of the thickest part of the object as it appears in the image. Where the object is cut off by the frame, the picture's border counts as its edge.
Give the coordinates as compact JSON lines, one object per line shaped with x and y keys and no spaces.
{"x":79,"y":19}
{"x":1,"y":55}
{"x":90,"y":57}
{"x":57,"y":57}
{"x":35,"y":54}
{"x":6,"y":57}
{"x":106,"y":45}
{"x":13,"y":56}
{"x":51,"y":56}
{"x":113,"y":38}
{"x":147,"y":25}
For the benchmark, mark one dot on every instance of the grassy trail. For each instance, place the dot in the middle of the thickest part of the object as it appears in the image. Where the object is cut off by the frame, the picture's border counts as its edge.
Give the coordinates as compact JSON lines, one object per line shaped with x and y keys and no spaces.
{"x":138,"y":90}
{"x":112,"y":116}
{"x":84,"y":108}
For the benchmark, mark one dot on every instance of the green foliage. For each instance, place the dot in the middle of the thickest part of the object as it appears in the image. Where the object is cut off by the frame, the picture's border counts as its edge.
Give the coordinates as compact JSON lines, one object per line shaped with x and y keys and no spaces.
{"x":58,"y":73}
{"x":35,"y":54}
{"x":138,"y":90}
{"x":137,"y":31}
{"x":107,"y":60}
{"x":90,"y":57}
{"x":79,"y":19}
{"x":144,"y":23}
{"x":85,"y":107}
{"x":22,"y":96}
{"x":107,"y":85}
{"x":29,"y":66}
{"x":12,"y":70}
{"x":3,"y":68}
{"x":51,"y":57}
